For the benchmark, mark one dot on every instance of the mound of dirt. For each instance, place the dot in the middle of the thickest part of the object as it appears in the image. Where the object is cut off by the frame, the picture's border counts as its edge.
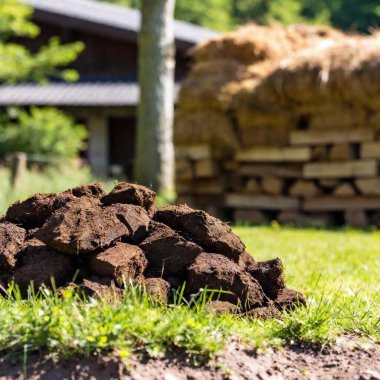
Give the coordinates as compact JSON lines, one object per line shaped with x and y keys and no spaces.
{"x":210,"y":233}
{"x":119,"y":238}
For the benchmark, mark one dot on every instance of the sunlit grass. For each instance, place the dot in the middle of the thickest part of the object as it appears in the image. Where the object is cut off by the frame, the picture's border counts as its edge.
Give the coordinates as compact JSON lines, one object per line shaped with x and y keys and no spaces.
{"x":49,"y":180}
{"x":337,"y":270}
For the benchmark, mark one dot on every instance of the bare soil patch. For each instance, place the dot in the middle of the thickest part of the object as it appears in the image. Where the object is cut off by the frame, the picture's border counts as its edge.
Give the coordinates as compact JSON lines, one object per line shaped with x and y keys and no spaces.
{"x":349,"y":358}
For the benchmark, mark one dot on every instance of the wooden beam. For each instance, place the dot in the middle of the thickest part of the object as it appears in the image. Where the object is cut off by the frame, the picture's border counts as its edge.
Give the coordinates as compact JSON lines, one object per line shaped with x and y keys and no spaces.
{"x":302,"y":188}
{"x":184,"y":170}
{"x":193,"y":152}
{"x":206,"y":169}
{"x":331,"y":203}
{"x":332,"y":136}
{"x":275,"y":170}
{"x":273,"y":154}
{"x":369,"y":186}
{"x":272,"y":185}
{"x":342,"y":152}
{"x":356,"y":218}
{"x":261,"y":202}
{"x":251,"y":216}
{"x":370,"y":150}
{"x":202,"y":186}
{"x":348,"y":169}
{"x":98,"y":145}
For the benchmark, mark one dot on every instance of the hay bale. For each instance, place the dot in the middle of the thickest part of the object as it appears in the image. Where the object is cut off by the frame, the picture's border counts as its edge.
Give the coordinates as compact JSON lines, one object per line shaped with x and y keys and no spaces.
{"x":206,"y":127}
{"x":268,"y":136}
{"x":250,"y":118}
{"x":374,"y":121}
{"x":338,"y":116}
{"x":254,"y":43}
{"x":203,"y":87}
{"x":344,"y":70}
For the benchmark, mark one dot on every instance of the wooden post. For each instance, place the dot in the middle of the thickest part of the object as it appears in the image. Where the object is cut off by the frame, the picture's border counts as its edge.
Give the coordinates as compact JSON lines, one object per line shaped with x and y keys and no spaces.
{"x":155,"y":152}
{"x":98,"y":146}
{"x":18,"y":168}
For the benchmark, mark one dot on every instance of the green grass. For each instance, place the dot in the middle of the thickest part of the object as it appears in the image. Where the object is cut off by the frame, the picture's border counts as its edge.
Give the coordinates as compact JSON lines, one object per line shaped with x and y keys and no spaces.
{"x":337,"y":270}
{"x":55,"y":180}
{"x":49,"y":180}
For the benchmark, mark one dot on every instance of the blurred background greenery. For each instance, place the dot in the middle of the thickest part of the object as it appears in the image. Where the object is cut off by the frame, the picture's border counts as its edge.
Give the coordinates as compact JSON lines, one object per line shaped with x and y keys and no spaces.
{"x":52,"y":179}
{"x":357,"y":15}
{"x":49,"y":136}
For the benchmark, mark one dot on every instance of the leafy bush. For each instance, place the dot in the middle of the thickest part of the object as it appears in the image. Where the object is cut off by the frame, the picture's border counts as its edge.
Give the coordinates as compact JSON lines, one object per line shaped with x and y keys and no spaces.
{"x":18,"y":64}
{"x":42,"y":131}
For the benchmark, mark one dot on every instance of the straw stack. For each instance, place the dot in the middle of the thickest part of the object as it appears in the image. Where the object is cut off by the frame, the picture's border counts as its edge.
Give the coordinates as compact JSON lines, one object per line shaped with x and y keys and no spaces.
{"x":282,"y":123}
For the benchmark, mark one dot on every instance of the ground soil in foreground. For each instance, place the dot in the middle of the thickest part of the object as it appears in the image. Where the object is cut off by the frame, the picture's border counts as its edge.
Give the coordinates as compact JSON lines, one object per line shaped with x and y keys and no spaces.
{"x":349,"y":358}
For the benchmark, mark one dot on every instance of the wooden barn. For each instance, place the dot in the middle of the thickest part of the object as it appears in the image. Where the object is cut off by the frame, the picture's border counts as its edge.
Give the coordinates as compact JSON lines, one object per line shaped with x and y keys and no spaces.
{"x":107,"y":94}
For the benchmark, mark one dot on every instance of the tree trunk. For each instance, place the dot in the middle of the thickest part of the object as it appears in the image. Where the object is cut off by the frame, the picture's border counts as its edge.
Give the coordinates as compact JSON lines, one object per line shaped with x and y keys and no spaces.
{"x":154,"y":165}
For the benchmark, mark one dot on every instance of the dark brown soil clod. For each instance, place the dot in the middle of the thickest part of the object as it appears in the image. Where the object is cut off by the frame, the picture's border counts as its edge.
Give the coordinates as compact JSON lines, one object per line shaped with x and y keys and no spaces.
{"x":216,"y":272}
{"x":104,"y":242}
{"x":93,"y":190}
{"x":246,"y":261}
{"x":135,"y":218}
{"x":265,"y":312}
{"x":12,"y":240}
{"x":100,"y":287}
{"x":167,"y":251}
{"x":207,"y":231}
{"x":43,"y":266}
{"x":270,"y":276}
{"x":288,"y":299}
{"x":123,"y":262}
{"x":221,"y":307}
{"x":158,"y":289}
{"x":81,"y":227}
{"x":34,"y":211}
{"x":132,"y":194}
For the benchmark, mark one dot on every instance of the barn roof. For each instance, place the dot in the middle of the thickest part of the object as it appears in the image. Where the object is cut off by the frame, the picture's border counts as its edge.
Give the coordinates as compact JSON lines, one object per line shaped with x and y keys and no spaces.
{"x":109,"y":19}
{"x":105,"y":94}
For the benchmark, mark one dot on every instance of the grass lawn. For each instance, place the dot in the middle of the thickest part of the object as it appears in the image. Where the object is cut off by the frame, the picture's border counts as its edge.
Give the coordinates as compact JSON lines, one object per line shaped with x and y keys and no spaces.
{"x":337,"y":270}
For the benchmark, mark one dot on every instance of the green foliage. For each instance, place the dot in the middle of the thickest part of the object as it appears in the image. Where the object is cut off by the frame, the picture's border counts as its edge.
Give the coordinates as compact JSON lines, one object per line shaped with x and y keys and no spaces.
{"x":284,"y":11}
{"x":14,"y":20}
{"x":69,"y":326}
{"x":19,"y":64}
{"x":338,"y":271}
{"x":224,"y":14}
{"x":344,"y":14}
{"x":40,"y":131}
{"x":214,"y":14}
{"x":47,"y":132}
{"x":355,"y":14}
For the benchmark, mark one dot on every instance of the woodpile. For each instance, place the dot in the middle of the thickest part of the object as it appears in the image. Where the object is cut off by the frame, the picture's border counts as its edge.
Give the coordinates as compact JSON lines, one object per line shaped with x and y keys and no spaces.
{"x":272,"y":124}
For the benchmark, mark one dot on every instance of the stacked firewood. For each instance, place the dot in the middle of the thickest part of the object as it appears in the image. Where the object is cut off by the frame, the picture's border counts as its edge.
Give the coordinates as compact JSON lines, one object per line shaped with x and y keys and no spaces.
{"x":327,"y":177}
{"x":303,"y":141}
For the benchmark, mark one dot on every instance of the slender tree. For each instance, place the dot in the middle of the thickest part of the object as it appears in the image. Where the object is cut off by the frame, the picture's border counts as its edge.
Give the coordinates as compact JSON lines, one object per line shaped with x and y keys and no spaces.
{"x":154,"y":165}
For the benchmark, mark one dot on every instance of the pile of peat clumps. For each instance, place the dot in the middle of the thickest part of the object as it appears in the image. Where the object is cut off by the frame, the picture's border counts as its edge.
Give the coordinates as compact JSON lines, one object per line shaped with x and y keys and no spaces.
{"x":108,"y":240}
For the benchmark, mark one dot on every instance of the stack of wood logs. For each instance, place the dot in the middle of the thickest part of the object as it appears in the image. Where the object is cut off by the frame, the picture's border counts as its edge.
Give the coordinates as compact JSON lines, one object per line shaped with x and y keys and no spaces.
{"x":323,"y":177}
{"x":291,"y":134}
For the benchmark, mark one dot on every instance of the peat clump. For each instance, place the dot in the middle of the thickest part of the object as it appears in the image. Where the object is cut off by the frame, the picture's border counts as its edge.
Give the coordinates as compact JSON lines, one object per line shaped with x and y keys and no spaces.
{"x":210,"y":233}
{"x":80,"y":227}
{"x":99,"y":243}
{"x":12,"y":241}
